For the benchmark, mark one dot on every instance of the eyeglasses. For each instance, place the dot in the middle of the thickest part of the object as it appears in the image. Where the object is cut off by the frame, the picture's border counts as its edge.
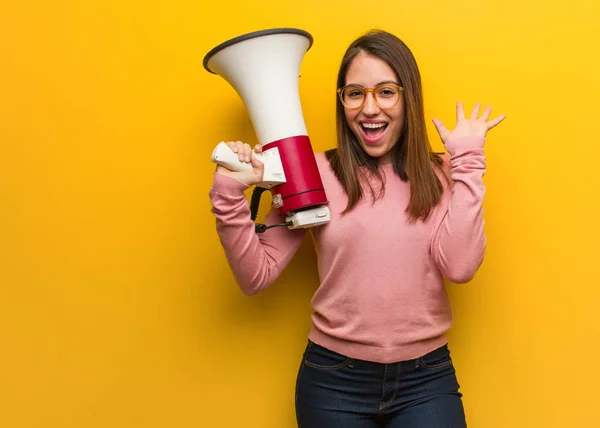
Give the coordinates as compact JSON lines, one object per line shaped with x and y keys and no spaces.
{"x":385,"y":95}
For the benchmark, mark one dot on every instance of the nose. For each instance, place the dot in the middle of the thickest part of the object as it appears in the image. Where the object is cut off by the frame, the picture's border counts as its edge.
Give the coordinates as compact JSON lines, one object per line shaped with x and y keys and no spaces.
{"x":370,"y":107}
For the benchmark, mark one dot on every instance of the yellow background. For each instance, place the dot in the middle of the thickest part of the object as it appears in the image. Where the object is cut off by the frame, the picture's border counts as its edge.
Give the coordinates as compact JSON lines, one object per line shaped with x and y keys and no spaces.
{"x":117,"y":308}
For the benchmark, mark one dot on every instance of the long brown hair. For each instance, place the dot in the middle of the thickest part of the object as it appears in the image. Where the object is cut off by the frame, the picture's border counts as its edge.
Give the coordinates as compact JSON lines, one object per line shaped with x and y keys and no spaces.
{"x":412,"y":156}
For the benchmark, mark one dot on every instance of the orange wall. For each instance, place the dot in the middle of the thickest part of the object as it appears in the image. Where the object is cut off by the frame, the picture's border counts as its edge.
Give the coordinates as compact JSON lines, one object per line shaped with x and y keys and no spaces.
{"x":117,"y":308}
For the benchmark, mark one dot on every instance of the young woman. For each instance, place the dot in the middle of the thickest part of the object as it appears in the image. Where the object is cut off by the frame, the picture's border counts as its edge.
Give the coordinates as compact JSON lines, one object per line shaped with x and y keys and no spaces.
{"x":402,"y":219}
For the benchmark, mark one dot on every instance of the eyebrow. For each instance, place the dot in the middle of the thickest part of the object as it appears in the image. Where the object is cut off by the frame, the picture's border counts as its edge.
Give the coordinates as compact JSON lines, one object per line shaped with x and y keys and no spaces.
{"x":380,"y":83}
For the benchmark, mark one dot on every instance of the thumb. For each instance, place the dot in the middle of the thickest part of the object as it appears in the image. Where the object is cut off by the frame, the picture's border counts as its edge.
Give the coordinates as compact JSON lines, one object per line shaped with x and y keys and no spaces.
{"x":259,"y":168}
{"x":256,"y":164}
{"x":441,"y":128}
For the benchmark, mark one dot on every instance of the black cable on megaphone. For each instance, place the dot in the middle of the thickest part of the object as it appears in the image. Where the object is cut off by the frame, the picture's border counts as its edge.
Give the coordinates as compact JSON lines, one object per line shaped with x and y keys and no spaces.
{"x":254,"y":205}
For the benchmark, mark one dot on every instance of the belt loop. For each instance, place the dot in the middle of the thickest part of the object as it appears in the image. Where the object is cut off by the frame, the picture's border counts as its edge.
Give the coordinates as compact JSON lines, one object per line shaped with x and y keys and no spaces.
{"x":417,"y":362}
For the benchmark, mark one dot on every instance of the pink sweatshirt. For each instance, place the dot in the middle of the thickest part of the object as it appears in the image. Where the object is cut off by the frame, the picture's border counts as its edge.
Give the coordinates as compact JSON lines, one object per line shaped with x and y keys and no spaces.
{"x":382,"y":296}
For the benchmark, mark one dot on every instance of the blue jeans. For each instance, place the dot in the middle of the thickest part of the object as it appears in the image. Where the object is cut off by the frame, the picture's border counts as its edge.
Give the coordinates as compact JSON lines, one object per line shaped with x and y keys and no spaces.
{"x":334,"y":391}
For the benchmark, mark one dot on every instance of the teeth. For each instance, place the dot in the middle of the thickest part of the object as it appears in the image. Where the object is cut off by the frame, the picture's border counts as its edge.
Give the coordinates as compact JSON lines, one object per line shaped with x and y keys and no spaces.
{"x":373,"y":125}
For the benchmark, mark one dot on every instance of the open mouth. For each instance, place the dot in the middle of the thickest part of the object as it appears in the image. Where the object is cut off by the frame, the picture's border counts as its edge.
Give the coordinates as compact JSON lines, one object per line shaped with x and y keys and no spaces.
{"x":373,"y":131}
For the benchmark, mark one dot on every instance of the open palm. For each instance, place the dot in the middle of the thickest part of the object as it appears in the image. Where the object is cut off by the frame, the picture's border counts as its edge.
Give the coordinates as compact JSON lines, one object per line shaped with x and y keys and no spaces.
{"x":474,"y":126}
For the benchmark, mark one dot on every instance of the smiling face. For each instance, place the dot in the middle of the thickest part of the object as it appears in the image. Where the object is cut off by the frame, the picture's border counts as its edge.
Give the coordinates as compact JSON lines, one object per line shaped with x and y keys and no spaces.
{"x":377,"y":130}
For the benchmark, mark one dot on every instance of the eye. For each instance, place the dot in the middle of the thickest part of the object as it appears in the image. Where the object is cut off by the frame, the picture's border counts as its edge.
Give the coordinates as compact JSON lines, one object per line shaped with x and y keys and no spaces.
{"x":387,"y":91}
{"x":354,"y":93}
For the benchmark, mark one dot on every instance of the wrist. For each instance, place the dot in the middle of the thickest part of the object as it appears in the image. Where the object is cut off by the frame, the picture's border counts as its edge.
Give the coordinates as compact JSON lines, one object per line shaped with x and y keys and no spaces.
{"x":228,"y":184}
{"x":465,"y":143}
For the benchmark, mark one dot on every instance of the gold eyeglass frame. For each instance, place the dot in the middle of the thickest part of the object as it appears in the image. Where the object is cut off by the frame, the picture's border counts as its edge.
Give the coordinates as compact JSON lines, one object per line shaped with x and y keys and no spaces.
{"x":372,"y":91}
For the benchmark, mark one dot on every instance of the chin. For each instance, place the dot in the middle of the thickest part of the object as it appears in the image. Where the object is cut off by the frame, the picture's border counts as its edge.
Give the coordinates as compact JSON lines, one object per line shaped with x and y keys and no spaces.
{"x":377,"y":152}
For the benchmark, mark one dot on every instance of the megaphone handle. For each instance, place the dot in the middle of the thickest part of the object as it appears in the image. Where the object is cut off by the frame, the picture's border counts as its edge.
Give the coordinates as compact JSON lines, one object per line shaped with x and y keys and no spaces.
{"x":224,"y":156}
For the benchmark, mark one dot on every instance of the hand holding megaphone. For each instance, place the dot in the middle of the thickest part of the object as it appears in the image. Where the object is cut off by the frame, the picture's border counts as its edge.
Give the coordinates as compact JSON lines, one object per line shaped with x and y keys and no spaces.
{"x":237,"y":160}
{"x":262,"y":168}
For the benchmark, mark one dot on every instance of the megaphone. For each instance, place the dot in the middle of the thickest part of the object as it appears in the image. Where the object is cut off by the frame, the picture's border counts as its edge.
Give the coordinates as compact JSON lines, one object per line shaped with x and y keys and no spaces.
{"x":263,"y":68}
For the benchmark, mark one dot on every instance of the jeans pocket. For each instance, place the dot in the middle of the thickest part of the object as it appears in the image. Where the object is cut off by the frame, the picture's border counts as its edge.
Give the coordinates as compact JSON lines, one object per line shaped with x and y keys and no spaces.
{"x":436,"y":359}
{"x":321,"y":358}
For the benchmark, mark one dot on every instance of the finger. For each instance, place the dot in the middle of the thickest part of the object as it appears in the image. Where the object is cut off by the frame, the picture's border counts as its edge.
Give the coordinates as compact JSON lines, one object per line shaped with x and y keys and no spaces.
{"x":258,"y":148}
{"x":247,"y":152}
{"x":460,"y":113}
{"x":486,"y":113}
{"x":496,"y":121}
{"x":232,"y":145}
{"x":240,"y":150}
{"x":441,"y":128}
{"x":475,"y":111}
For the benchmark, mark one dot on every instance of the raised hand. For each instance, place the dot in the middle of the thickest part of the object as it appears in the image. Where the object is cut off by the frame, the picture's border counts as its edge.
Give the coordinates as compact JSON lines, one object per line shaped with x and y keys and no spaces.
{"x":474,"y":126}
{"x":244,"y":152}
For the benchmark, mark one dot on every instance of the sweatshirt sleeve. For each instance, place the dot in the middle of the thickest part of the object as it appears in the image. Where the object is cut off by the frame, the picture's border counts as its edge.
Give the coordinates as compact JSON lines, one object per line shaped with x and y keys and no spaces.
{"x":459,"y":244}
{"x":255,"y":259}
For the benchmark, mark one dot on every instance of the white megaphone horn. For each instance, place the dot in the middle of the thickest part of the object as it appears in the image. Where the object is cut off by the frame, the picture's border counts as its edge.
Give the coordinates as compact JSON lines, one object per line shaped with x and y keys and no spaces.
{"x":263,"y":68}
